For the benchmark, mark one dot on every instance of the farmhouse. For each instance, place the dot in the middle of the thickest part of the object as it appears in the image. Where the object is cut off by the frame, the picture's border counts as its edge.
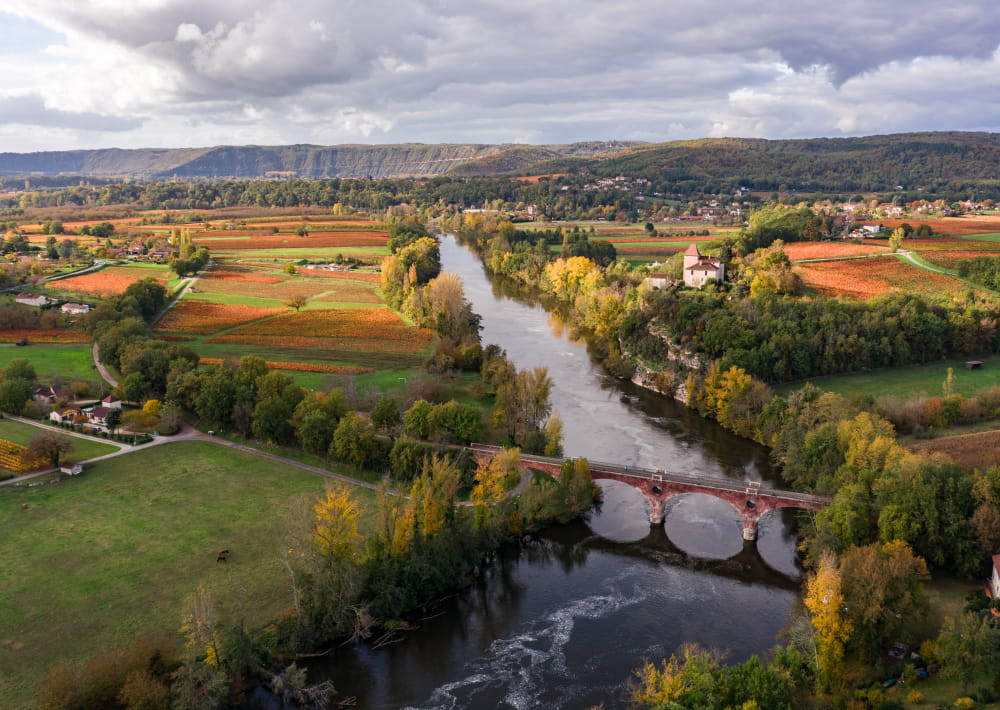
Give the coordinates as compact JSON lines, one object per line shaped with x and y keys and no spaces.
{"x":699,"y":268}
{"x":75,"y":308}
{"x":99,"y":415}
{"x":65,"y":415}
{"x":30,"y":299}
{"x":995,"y":579}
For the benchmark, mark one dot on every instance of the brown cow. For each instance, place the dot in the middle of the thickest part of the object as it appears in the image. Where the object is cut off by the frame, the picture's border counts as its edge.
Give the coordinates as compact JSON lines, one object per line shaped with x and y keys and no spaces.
{"x":223,"y":554}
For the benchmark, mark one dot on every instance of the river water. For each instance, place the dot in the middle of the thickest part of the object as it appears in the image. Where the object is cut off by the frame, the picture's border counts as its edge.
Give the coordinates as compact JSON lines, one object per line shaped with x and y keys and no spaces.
{"x":561,"y":622}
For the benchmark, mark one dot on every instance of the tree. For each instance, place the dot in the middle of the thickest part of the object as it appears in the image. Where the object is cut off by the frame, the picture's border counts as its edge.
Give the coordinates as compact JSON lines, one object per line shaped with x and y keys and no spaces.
{"x":315,"y":431}
{"x":825,"y":601}
{"x":113,"y":420}
{"x":968,"y":647}
{"x":290,"y":269}
{"x":896,"y":239}
{"x":50,"y":446}
{"x":882,"y":591}
{"x":353,"y":440}
{"x":135,"y":387}
{"x":14,"y":394}
{"x":385,"y":414}
{"x":20,"y":369}
{"x":297,"y":301}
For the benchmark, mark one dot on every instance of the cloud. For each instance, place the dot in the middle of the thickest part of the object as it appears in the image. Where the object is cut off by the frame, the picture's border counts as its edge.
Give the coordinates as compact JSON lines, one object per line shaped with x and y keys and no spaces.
{"x":31,"y":110}
{"x":488,"y":71}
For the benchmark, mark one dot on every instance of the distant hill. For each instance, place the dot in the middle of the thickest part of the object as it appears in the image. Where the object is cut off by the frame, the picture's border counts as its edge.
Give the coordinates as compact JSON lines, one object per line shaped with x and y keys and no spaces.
{"x":909,"y":160}
{"x":301,"y":161}
{"x":912,"y":161}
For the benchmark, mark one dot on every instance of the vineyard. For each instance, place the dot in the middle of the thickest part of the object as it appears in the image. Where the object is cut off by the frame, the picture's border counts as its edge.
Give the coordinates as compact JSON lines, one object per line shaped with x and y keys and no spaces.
{"x":205,"y":318}
{"x":866,"y":278}
{"x":13,"y":458}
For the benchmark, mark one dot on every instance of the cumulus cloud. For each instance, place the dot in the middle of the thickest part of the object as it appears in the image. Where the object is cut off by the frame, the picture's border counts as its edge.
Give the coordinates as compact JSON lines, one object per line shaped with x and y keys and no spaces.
{"x":492,"y":70}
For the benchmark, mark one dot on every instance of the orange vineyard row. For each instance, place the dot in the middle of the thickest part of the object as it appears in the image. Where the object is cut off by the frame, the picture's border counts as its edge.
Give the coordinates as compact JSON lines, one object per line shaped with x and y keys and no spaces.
{"x":204,"y":318}
{"x":301,"y":366}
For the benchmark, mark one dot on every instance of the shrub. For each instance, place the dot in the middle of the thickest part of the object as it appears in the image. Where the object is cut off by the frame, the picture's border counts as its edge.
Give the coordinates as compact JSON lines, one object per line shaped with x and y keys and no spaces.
{"x":965,"y":703}
{"x":914,"y":697}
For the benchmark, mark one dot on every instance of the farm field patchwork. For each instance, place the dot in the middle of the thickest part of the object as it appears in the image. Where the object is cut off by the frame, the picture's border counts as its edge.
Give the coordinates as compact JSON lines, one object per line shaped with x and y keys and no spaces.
{"x":949,"y":225}
{"x":866,"y":278}
{"x":96,"y":559}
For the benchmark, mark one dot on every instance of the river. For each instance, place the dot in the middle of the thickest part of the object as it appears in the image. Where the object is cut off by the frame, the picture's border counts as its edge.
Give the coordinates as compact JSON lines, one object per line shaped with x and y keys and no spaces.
{"x":562,"y":622}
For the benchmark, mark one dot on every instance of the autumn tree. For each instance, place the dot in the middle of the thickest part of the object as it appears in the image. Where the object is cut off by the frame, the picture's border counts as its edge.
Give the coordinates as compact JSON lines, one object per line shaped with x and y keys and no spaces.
{"x":297,"y":301}
{"x":48,"y":446}
{"x":824,"y":598}
{"x":882,"y":590}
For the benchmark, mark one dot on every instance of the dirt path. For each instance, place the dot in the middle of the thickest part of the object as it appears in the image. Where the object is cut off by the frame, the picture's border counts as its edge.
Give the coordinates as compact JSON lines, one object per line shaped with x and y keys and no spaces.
{"x":100,"y":366}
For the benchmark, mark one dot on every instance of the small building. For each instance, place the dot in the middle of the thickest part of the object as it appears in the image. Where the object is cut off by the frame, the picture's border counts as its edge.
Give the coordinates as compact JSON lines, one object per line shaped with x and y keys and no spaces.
{"x":658,"y":281}
{"x":995,"y":578}
{"x":71,"y":469}
{"x":99,"y":416}
{"x":65,"y":415}
{"x":52,"y":394}
{"x":698,"y":268}
{"x":32,"y":299}
{"x":75,"y":309}
{"x":111,"y":402}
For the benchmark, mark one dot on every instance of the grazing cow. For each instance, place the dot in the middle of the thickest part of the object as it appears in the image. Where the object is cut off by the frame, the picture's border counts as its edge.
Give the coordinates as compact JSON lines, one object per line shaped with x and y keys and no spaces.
{"x":223,"y":554}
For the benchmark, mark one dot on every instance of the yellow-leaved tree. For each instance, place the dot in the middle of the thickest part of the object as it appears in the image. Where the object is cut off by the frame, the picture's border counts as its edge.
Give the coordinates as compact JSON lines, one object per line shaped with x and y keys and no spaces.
{"x":825,"y":601}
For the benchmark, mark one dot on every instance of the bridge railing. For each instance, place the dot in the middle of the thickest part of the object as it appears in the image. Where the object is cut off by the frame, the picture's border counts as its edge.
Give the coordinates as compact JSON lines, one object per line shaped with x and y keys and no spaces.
{"x":659,"y":475}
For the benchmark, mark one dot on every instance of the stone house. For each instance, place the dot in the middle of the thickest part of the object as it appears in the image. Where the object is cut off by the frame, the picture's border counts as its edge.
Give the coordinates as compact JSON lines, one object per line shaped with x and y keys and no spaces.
{"x":699,"y":268}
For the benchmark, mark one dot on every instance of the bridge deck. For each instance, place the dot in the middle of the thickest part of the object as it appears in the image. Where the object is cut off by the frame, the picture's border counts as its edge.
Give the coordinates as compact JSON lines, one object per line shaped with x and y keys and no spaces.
{"x":710,"y":482}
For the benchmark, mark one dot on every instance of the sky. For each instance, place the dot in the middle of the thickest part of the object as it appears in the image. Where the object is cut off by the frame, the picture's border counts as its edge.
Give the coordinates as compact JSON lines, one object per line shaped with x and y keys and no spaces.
{"x":190,"y":73}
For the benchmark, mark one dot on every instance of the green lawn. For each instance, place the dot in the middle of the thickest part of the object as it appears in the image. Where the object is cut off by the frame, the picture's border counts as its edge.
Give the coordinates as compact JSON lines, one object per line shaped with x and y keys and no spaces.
{"x":83,"y":449}
{"x":94,"y":560}
{"x":910,"y":381}
{"x":264,"y":302}
{"x":70,"y":362}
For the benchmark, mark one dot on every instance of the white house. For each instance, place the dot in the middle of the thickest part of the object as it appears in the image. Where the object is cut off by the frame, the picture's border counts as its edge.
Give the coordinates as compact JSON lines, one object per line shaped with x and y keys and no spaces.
{"x":31,"y":299}
{"x":111,"y":402}
{"x":65,"y":415}
{"x":75,"y":309}
{"x":995,"y":579}
{"x":699,"y":268}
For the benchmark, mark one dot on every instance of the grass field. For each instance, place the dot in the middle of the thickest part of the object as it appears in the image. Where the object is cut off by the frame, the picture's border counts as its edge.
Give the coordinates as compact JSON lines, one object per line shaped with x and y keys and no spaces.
{"x":96,"y":559}
{"x":83,"y":449}
{"x":911,"y":381}
{"x":70,"y":362}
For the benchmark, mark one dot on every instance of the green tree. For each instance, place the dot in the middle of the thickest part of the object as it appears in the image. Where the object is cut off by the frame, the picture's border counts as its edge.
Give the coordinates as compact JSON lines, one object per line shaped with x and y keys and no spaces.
{"x":14,"y":394}
{"x":385,"y":414}
{"x":20,"y":368}
{"x":968,"y":647}
{"x":353,"y":440}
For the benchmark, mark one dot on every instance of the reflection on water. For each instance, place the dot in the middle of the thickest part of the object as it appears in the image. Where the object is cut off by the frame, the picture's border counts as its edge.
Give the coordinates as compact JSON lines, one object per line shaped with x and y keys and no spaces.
{"x":562,"y":621}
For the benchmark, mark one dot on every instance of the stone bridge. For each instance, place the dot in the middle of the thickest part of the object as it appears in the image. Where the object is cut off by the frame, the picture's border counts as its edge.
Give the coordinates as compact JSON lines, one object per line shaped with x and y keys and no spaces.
{"x":751,"y":499}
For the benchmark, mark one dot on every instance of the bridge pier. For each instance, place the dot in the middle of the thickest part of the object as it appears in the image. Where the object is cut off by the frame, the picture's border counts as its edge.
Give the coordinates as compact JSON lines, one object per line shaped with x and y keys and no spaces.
{"x":656,"y":510}
{"x":750,"y":533}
